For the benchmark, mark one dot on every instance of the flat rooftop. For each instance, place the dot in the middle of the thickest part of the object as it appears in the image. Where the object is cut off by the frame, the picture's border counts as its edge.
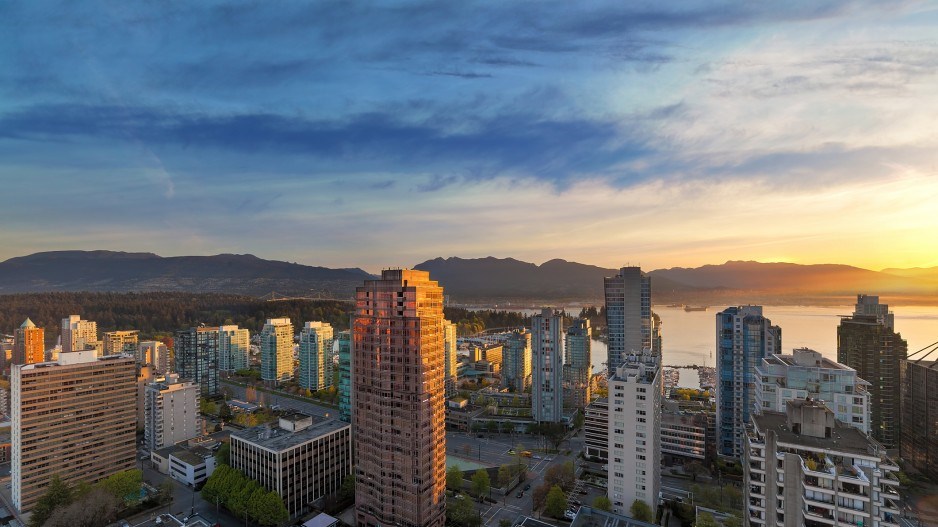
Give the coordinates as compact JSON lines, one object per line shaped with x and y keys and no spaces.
{"x":590,"y":517}
{"x":844,"y":438}
{"x":277,"y":439}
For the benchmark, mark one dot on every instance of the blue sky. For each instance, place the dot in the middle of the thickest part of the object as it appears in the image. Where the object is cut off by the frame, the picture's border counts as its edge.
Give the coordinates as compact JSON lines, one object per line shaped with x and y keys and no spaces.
{"x":377,"y":135}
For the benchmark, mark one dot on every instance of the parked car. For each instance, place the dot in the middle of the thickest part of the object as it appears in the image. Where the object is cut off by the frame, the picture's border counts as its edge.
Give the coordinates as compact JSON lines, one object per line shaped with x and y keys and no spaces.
{"x":527,"y":487}
{"x":570,"y":515}
{"x":520,"y":494}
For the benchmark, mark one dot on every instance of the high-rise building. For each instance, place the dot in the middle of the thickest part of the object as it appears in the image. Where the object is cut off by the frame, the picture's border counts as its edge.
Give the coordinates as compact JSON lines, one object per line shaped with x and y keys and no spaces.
{"x":234,"y":347}
{"x":744,"y":338}
{"x":547,"y":366}
{"x":628,"y":315}
{"x":805,"y":468}
{"x":449,"y":359}
{"x":516,"y":361}
{"x":77,"y":333}
{"x":919,"y":431}
{"x":75,"y":418}
{"x":155,"y":353}
{"x":196,"y":357}
{"x":171,"y":412}
{"x":303,"y":460}
{"x":343,"y":349}
{"x":868,"y":343}
{"x":577,"y":368}
{"x":29,"y":344}
{"x":398,"y":387}
{"x":119,"y":342}
{"x":634,"y":444}
{"x":806,"y":374}
{"x":277,"y":350}
{"x":316,"y":364}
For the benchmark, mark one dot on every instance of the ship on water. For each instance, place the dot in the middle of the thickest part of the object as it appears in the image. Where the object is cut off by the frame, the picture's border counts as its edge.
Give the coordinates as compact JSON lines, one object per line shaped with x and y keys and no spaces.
{"x":695,"y":308}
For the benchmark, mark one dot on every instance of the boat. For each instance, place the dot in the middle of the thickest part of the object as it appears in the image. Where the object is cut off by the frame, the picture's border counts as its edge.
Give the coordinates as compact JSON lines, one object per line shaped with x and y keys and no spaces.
{"x":695,"y":308}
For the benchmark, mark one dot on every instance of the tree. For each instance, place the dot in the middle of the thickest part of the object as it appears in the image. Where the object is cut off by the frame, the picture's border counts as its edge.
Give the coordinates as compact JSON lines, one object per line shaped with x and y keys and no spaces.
{"x":732,"y":521}
{"x":463,"y":513}
{"x":640,"y":511}
{"x":454,"y":478}
{"x":270,"y":509}
{"x":504,"y":476}
{"x":347,"y":490}
{"x":224,"y":411}
{"x":223,"y":455}
{"x":539,"y":496}
{"x":695,"y":468}
{"x":207,"y":407}
{"x":125,"y":485}
{"x":554,"y":433}
{"x":481,"y":483}
{"x":602,"y":503}
{"x":98,"y":507}
{"x":57,"y":494}
{"x":504,"y":522}
{"x":579,"y":420}
{"x":563,"y":475}
{"x":166,"y":491}
{"x":556,"y":502}
{"x":705,"y":519}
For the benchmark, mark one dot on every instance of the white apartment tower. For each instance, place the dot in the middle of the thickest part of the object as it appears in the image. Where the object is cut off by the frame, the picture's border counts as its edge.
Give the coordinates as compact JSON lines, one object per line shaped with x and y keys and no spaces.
{"x":171,"y":412}
{"x":234,"y":346}
{"x":77,"y":333}
{"x":547,"y":366}
{"x":316,"y":365}
{"x":634,"y":446}
{"x":277,"y":350}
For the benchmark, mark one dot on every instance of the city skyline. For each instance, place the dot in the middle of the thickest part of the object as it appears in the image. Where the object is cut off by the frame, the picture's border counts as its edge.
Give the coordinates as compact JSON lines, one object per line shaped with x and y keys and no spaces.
{"x":656,"y":135}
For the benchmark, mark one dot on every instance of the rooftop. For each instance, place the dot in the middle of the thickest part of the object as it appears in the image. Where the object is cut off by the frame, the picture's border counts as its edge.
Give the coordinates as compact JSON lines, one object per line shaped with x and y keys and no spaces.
{"x":844,"y":438}
{"x":278,"y":439}
{"x":590,"y":517}
{"x":189,"y":457}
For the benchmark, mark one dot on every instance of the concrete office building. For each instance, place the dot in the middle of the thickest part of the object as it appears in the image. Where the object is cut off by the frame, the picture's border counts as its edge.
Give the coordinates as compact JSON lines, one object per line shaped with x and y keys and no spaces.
{"x":919,"y":440}
{"x":75,"y":418}
{"x":744,"y":338}
{"x":78,"y":333}
{"x":398,"y":387}
{"x":449,"y":359}
{"x":277,"y":350}
{"x":29,"y":345}
{"x":234,"y":348}
{"x":171,"y":412}
{"x":343,"y":349}
{"x":316,"y":365}
{"x":806,"y":374}
{"x":804,"y":468}
{"x":120,"y":342}
{"x":196,"y":357}
{"x":302,"y":459}
{"x":868,"y":343}
{"x":547,"y":366}
{"x":155,"y":353}
{"x":577,"y":368}
{"x":516,"y":361}
{"x":634,"y":444}
{"x":684,"y":433}
{"x":629,"y":319}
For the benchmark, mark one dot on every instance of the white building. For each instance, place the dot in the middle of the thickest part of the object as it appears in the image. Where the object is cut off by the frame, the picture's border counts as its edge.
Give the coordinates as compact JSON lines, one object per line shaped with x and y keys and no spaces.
{"x":277,"y":350}
{"x":634,"y":445}
{"x":191,"y":466}
{"x":807,"y":374}
{"x":171,"y":412}
{"x":234,"y":347}
{"x":77,"y":333}
{"x":316,"y":363}
{"x":805,"y":468}
{"x":547,"y":366}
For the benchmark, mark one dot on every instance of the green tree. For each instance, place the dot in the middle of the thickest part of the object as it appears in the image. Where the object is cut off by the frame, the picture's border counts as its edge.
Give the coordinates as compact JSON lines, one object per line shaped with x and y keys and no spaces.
{"x":602,"y":503}
{"x":504,"y":476}
{"x":705,"y":519}
{"x":481,"y":483}
{"x":563,"y":475}
{"x":166,"y":491}
{"x":207,"y":407}
{"x":556,"y":502}
{"x":124,"y":485}
{"x":57,"y":495}
{"x":504,"y":522}
{"x":695,"y":468}
{"x":732,"y":521}
{"x":641,"y":511}
{"x":347,"y":491}
{"x":454,"y":478}
{"x":223,"y":455}
{"x":270,"y":508}
{"x":579,"y":420}
{"x":463,"y":513}
{"x":224,"y":411}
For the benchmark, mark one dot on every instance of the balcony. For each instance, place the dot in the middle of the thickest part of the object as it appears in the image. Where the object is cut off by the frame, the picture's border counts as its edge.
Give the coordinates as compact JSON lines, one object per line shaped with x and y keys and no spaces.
{"x":819,"y":514}
{"x":854,"y":489}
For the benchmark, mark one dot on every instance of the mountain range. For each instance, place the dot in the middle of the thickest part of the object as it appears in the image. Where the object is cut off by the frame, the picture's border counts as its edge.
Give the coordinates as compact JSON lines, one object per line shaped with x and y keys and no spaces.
{"x":478,"y":280}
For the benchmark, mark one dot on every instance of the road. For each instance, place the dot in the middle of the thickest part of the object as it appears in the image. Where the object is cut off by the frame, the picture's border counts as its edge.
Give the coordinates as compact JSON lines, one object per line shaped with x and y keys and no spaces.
{"x":309,"y":408}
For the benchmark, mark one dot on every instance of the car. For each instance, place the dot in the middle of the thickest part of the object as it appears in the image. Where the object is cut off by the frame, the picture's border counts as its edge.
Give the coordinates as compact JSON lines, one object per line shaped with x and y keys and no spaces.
{"x":459,"y":497}
{"x":527,"y":487}
{"x":526,"y":453}
{"x":511,"y":452}
{"x":576,"y":502}
{"x":535,"y":456}
{"x":123,"y":523}
{"x":520,"y":494}
{"x":570,"y":515}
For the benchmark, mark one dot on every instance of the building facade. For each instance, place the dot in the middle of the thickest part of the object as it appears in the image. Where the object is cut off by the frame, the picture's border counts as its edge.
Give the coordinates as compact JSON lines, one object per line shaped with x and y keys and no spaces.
{"x":155,"y":353}
{"x":516,"y":361}
{"x":343,"y":349}
{"x":634,"y":443}
{"x":919,"y":440}
{"x":547,"y":366}
{"x":171,"y":412}
{"x":596,"y":430}
{"x":196,"y":357}
{"x":398,"y":387}
{"x":684,"y":433}
{"x":868,"y":343}
{"x":75,"y":418}
{"x":744,"y":338}
{"x":301,"y":459}
{"x":628,"y":315}
{"x":29,"y":344}
{"x":577,"y":367}
{"x":316,"y":364}
{"x":277,"y":350}
{"x":451,"y":380}
{"x":806,"y":374}
{"x":77,"y":333}
{"x":234,"y":348}
{"x":803,"y":468}
{"x":119,"y":342}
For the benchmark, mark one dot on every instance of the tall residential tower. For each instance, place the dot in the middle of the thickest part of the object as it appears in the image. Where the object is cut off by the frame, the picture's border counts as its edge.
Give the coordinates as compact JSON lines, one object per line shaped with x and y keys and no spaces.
{"x":316,"y":366}
{"x":628,"y":315}
{"x":547,"y":366}
{"x":277,"y":350}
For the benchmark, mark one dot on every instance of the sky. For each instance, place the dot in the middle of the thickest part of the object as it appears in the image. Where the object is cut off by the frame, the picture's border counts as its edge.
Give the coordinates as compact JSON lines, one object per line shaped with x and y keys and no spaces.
{"x":374,"y":135}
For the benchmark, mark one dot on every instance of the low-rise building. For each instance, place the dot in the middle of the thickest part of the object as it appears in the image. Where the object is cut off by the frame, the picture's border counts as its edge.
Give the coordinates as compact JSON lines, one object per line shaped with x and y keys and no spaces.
{"x":806,"y":468}
{"x":683,"y":433}
{"x":191,"y":467}
{"x":302,"y":459}
{"x":596,"y":430}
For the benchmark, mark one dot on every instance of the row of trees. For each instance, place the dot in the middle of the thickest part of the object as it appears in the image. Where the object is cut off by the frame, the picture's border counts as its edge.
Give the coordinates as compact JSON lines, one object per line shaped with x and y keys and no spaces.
{"x":244,"y":497}
{"x":472,"y":322}
{"x":86,"y":505}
